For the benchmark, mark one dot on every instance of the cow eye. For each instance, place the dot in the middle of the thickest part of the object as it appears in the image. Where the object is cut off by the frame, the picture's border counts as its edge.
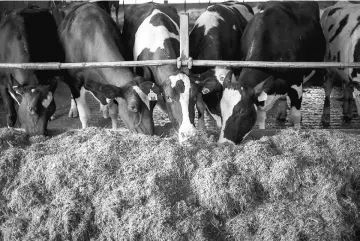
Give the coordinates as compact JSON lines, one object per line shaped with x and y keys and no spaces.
{"x":168,"y":99}
{"x":242,"y":110}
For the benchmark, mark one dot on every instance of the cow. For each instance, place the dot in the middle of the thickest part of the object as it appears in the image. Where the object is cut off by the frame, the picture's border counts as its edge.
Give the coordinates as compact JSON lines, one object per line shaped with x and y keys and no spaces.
{"x":216,"y":36}
{"x":152,"y":33}
{"x":29,"y":35}
{"x":89,"y":34}
{"x":282,"y":31}
{"x":340,"y":24}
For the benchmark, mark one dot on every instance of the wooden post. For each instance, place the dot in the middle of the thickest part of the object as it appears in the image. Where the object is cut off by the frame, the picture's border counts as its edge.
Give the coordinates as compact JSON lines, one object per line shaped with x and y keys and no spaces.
{"x":184,"y":39}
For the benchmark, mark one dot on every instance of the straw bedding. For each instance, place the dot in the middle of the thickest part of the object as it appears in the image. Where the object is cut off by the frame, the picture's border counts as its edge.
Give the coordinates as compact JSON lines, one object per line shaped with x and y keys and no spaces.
{"x":99,"y":184}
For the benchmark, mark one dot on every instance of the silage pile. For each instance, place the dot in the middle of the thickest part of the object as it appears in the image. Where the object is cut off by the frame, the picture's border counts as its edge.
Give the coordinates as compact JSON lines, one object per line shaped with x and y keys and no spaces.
{"x":100,"y":184}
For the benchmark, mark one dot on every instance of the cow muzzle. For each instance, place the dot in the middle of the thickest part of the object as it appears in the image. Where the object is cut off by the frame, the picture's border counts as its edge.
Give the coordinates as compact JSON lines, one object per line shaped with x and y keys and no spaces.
{"x":186,"y":133}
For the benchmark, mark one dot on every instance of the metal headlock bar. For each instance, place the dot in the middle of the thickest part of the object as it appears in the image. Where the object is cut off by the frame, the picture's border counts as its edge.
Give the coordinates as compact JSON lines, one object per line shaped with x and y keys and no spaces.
{"x":184,"y":61}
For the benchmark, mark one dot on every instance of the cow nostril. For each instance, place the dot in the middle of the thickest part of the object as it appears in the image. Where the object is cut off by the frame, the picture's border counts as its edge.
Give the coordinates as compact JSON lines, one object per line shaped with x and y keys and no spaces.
{"x":133,"y":109}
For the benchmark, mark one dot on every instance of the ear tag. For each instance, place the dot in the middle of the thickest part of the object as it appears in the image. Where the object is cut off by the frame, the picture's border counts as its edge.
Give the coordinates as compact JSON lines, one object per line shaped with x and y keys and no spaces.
{"x":205,"y":91}
{"x":262,"y":96}
{"x":152,"y":96}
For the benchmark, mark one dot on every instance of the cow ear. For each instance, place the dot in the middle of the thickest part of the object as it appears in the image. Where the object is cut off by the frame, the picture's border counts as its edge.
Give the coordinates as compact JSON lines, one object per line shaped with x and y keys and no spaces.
{"x":262,"y":88}
{"x":19,"y":89}
{"x":229,"y":78}
{"x":195,"y":78}
{"x":209,"y":85}
{"x":148,"y":92}
{"x":13,"y":81}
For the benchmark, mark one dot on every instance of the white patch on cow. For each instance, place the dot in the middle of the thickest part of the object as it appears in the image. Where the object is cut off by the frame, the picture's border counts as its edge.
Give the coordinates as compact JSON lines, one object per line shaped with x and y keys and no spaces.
{"x":356,"y":95}
{"x":234,"y":27}
{"x":46,"y":102}
{"x":209,"y":20}
{"x":256,"y":9}
{"x":295,"y":116}
{"x":342,"y":47}
{"x":186,"y":129}
{"x":220,"y":73}
{"x":104,"y":109}
{"x":261,"y":11}
{"x":269,"y":102}
{"x":231,"y":97}
{"x":142,"y":96}
{"x":224,"y":140}
{"x":261,"y":118}
{"x":298,"y":90}
{"x":152,"y":37}
{"x":216,"y":117}
{"x":84,"y":112}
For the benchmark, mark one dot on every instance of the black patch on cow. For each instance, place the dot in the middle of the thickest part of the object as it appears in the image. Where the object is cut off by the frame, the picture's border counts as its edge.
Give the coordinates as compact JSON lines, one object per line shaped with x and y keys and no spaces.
{"x":357,"y":25}
{"x":356,"y":71}
{"x":330,"y":27}
{"x":332,"y":11}
{"x":338,"y":56}
{"x":162,"y":20}
{"x":342,"y":24}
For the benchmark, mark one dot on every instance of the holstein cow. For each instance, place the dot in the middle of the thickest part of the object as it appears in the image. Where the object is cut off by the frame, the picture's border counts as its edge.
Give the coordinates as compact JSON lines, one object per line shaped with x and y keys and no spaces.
{"x":282,"y":31}
{"x":340,"y":25}
{"x":29,"y":35}
{"x":89,"y":34}
{"x":216,"y":36}
{"x":152,"y":32}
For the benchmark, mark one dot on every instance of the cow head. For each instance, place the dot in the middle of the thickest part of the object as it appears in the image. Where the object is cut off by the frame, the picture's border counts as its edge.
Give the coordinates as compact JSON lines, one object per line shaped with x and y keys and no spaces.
{"x":36,"y":107}
{"x":238,"y":107}
{"x":140,"y":98}
{"x":179,"y":94}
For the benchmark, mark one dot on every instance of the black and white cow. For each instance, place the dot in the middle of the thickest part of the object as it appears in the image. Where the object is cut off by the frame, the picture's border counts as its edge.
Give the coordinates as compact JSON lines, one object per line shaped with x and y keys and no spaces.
{"x":216,"y":36}
{"x":152,"y":32}
{"x":282,"y":31}
{"x":340,"y":25}
{"x":89,"y":34}
{"x":29,"y":35}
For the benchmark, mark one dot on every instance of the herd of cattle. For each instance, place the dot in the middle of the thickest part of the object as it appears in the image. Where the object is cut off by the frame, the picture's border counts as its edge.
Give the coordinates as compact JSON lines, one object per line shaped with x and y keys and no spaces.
{"x":235,"y":98}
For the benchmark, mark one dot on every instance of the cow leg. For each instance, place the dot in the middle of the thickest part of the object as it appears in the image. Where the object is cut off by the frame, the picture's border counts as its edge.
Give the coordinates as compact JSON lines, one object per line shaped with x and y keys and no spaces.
{"x":295,"y":95}
{"x":346,"y":103}
{"x":328,"y":85}
{"x":73,"y":112}
{"x":282,"y":113}
{"x":104,"y":109}
{"x":9,"y":104}
{"x":200,"y":106}
{"x":84,"y":112}
{"x":113,"y":113}
{"x":356,"y":99}
{"x":261,"y":117}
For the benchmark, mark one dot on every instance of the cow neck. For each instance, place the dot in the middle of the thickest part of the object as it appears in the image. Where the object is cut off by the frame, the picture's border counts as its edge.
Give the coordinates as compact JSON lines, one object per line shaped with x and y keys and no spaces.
{"x":162,"y":73}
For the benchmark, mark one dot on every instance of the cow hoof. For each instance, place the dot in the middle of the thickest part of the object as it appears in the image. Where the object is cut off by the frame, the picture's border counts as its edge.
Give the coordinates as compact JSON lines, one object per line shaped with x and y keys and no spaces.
{"x":73,"y":114}
{"x":325,"y":120}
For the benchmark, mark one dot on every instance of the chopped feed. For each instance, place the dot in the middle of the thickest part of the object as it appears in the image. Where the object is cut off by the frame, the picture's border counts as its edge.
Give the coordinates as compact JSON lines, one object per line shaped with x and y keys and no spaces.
{"x":99,"y":184}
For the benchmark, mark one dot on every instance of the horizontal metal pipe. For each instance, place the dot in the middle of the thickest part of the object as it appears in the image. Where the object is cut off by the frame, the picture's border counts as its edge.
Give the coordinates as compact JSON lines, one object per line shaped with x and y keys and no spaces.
{"x":233,"y":64}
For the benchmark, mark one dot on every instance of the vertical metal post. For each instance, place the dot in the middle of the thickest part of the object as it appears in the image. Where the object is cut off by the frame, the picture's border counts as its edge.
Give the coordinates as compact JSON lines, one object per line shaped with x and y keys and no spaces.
{"x":184,"y":39}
